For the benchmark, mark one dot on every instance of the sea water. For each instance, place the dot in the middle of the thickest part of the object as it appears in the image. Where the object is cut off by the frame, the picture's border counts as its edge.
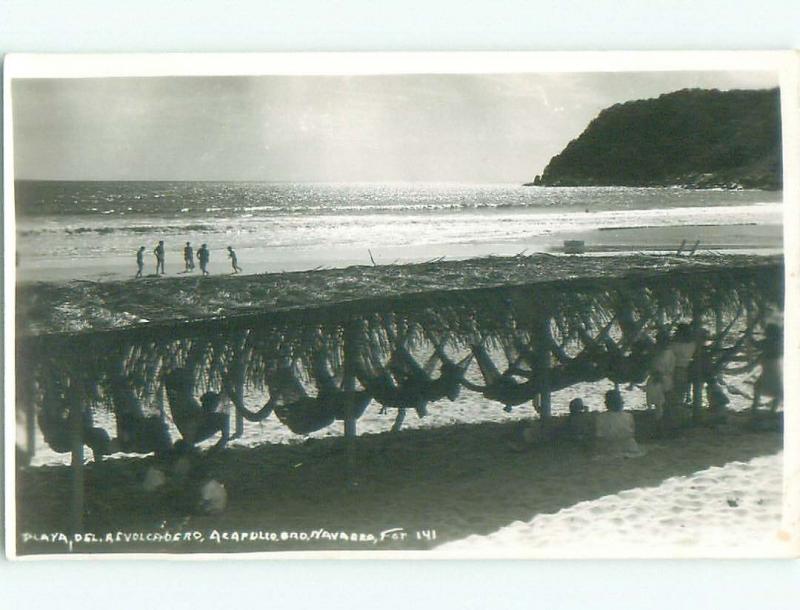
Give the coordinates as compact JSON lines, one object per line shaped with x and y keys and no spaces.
{"x":91,"y":230}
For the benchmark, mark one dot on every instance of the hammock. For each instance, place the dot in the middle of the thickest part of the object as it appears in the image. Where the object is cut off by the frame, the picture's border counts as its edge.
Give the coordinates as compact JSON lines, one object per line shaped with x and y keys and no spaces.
{"x":54,"y":421}
{"x":304,"y":414}
{"x":233,"y":385}
{"x":404,"y":384}
{"x":331,"y":392}
{"x":502,"y":387}
{"x":195,"y":421}
{"x":135,"y":432}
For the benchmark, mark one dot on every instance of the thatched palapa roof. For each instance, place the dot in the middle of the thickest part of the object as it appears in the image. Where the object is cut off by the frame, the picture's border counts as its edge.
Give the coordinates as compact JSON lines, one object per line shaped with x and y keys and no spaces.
{"x":361,"y":322}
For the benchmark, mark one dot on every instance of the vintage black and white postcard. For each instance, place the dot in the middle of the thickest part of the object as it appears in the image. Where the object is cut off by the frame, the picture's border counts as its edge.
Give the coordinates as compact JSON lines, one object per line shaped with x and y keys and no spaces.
{"x":410,"y":305}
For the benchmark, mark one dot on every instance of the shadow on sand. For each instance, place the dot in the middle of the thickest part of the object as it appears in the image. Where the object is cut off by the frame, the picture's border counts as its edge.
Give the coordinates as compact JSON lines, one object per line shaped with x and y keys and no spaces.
{"x":456,"y":481}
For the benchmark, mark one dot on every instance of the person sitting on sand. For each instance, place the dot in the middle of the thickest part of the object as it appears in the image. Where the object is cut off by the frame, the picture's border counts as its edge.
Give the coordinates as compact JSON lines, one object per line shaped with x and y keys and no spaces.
{"x":580,"y":424}
{"x":159,"y":252}
{"x":615,"y":428}
{"x":203,"y":257}
{"x":188,"y":258}
{"x":140,"y":261}
{"x":579,"y":428}
{"x":234,"y":260}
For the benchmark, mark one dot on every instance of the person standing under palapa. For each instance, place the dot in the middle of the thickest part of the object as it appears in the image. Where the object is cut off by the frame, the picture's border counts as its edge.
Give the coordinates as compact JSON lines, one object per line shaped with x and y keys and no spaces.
{"x":159,"y":252}
{"x":683,"y":346}
{"x":661,"y":374}
{"x":234,"y":260}
{"x":203,"y":257}
{"x":140,"y":261}
{"x":188,"y":258}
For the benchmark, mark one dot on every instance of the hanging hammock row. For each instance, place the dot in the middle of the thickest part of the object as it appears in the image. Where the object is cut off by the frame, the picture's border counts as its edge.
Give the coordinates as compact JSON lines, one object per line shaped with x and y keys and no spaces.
{"x":316,"y":365}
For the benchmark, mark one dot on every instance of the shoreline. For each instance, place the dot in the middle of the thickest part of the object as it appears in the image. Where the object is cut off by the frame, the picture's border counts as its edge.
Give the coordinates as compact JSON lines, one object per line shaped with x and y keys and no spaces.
{"x":757,"y":237}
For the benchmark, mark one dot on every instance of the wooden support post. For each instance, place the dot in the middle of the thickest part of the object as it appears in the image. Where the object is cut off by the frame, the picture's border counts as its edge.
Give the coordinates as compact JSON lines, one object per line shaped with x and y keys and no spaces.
{"x":24,"y":396}
{"x":239,"y":429}
{"x":160,"y":391}
{"x":349,"y":385}
{"x":543,"y":370}
{"x":350,"y":435}
{"x":697,"y":397}
{"x":719,"y":324}
{"x":76,"y":405}
{"x":30,"y":428}
{"x":696,"y":371}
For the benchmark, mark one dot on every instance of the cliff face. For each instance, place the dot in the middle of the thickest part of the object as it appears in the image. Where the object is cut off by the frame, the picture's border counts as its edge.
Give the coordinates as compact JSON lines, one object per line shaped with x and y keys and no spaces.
{"x":693,"y":138}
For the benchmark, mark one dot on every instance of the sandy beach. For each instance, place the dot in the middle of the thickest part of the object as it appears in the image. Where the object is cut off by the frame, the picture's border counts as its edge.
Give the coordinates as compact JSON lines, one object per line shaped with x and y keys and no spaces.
{"x":453,"y":477}
{"x":748,"y":237}
{"x":690,"y":515}
{"x":457,"y":482}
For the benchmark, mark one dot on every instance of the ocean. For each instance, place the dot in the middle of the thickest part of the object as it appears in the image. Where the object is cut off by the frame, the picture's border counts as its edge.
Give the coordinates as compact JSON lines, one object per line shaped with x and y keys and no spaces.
{"x":91,"y":230}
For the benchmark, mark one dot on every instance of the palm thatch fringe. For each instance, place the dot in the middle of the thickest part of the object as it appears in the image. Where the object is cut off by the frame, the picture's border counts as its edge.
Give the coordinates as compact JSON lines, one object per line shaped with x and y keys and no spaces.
{"x":550,"y":334}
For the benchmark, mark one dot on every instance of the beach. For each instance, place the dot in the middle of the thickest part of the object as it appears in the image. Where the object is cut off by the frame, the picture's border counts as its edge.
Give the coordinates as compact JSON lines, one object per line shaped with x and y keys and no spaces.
{"x":449,"y":480}
{"x":456,"y":483}
{"x":452,"y":481}
{"x":79,"y":305}
{"x":91,"y":231}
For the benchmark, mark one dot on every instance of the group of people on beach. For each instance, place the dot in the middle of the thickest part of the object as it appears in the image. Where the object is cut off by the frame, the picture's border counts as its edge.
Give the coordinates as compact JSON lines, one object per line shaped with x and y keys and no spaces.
{"x":610,"y":432}
{"x":203,"y":258}
{"x":686,"y":362}
{"x":667,"y":384}
{"x":684,"y":373}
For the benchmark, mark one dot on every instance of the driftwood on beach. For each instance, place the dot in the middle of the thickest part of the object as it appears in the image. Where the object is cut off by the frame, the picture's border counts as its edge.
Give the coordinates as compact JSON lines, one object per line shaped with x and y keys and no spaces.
{"x":323,"y":362}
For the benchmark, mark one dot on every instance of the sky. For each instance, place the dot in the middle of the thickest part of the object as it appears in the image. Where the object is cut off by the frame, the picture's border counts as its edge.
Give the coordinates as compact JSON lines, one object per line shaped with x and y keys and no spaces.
{"x":394,"y":128}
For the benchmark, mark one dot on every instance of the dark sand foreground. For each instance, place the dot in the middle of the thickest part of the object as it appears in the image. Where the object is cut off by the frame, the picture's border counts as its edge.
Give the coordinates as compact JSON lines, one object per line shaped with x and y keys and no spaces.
{"x":446,"y":484}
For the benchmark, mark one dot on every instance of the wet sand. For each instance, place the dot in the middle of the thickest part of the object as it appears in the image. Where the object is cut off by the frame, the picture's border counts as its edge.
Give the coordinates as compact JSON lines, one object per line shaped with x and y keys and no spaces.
{"x":764,"y":238}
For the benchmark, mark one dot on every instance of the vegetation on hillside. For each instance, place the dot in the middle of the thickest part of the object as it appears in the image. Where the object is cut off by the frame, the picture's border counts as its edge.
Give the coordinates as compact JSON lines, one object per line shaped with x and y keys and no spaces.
{"x":694,"y":138}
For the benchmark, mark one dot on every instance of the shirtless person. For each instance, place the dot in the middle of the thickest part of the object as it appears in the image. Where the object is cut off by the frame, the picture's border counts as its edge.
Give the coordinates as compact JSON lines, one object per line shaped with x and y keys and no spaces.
{"x":202,"y":257}
{"x":159,"y":252}
{"x":188,"y":258}
{"x":140,"y":261}
{"x":234,"y":260}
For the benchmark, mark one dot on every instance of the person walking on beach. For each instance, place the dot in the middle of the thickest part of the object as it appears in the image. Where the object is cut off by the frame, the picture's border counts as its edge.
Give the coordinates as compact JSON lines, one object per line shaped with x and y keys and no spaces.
{"x":203,"y":256}
{"x":234,"y":260}
{"x":159,"y":252}
{"x":140,"y":261}
{"x":188,"y":258}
